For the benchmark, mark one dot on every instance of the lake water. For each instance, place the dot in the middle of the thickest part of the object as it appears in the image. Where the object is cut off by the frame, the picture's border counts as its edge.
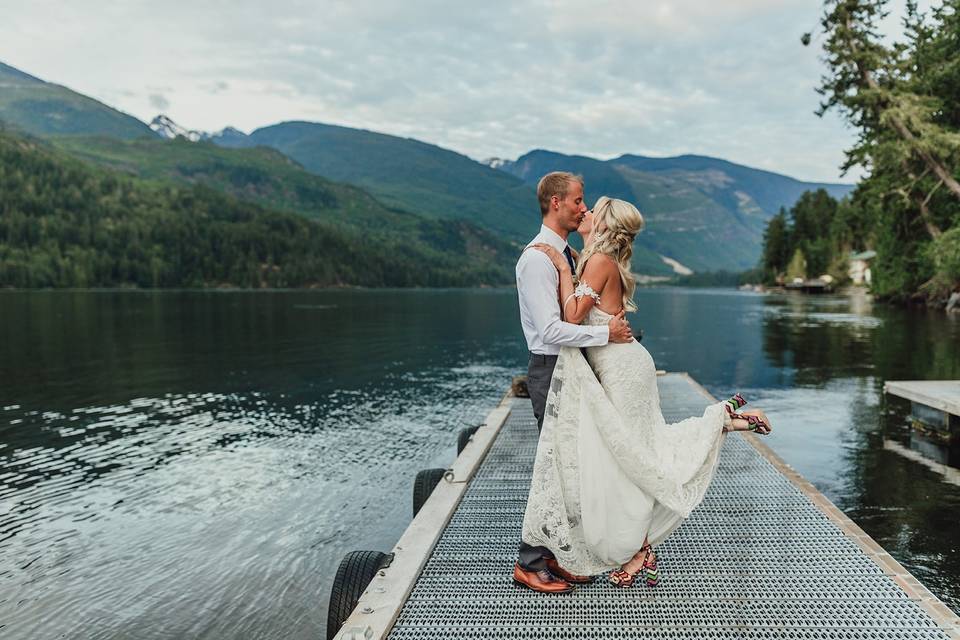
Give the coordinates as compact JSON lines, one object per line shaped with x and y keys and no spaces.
{"x":196,"y":464}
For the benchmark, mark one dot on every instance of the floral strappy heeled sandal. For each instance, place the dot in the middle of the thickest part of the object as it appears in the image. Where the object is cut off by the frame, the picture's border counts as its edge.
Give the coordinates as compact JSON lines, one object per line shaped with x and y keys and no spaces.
{"x":754,"y":423}
{"x":649,"y":571}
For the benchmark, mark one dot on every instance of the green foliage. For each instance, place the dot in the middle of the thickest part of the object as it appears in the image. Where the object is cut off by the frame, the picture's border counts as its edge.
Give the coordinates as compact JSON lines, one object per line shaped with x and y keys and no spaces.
{"x":839,"y":267}
{"x":267,"y":177}
{"x":797,"y":268}
{"x":944,"y":254}
{"x":776,"y":246}
{"x":812,"y":217}
{"x":904,"y":101}
{"x":815,"y":240}
{"x":853,"y":224}
{"x":902,"y":264}
{"x":64,"y":224}
{"x":260,"y":175}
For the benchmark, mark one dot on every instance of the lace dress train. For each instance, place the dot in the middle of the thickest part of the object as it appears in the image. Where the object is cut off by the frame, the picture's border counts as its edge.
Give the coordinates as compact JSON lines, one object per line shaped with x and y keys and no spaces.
{"x":609,"y":470}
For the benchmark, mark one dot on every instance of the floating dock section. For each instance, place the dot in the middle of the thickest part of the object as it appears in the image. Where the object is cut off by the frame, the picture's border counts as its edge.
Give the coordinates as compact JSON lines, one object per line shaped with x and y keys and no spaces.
{"x":936,"y":403}
{"x":765,"y":556}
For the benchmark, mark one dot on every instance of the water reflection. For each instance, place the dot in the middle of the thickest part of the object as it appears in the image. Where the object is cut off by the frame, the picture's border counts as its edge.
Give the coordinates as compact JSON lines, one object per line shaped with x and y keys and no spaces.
{"x":836,"y":425}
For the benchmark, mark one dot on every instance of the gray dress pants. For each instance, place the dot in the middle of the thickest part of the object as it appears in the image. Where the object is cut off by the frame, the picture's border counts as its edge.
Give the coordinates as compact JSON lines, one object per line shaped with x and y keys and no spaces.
{"x":539,"y":374}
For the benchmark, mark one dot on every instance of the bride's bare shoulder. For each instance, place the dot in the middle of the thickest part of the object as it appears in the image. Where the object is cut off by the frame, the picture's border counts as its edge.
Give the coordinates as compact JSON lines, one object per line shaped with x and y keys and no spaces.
{"x":600,"y":263}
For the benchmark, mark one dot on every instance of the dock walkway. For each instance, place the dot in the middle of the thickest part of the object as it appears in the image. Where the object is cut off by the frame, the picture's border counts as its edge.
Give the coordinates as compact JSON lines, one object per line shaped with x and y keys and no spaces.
{"x":764,"y":556}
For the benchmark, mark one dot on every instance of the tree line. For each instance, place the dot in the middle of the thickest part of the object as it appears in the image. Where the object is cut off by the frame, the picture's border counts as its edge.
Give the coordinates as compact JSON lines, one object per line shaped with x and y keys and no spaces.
{"x":66,"y":224}
{"x":904,"y":102}
{"x":815,"y":237}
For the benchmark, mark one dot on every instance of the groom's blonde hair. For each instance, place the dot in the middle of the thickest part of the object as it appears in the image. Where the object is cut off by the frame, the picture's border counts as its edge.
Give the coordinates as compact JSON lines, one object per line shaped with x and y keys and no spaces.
{"x":556,"y":183}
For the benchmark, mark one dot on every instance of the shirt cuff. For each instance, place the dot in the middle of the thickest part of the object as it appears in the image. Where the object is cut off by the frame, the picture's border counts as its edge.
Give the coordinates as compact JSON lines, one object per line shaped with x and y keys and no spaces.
{"x":604,"y":333}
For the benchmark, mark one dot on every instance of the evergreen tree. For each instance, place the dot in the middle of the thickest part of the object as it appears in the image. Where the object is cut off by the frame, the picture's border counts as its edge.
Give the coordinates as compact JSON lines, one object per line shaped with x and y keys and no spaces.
{"x":904,"y":101}
{"x":776,"y":247}
{"x":875,"y":89}
{"x":797,"y":267}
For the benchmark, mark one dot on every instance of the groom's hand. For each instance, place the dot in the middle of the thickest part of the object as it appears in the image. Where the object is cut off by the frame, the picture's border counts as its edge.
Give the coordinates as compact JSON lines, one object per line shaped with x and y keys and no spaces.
{"x":620,"y":328}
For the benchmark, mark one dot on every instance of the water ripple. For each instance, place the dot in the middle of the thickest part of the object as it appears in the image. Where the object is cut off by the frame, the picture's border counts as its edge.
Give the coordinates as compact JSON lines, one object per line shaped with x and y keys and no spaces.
{"x":130,"y":509}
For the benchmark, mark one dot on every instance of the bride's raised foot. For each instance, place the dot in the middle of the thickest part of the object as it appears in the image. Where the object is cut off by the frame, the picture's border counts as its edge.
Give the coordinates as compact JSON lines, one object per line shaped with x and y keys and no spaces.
{"x":753,"y":420}
{"x":736,"y":403}
{"x":757,"y":423}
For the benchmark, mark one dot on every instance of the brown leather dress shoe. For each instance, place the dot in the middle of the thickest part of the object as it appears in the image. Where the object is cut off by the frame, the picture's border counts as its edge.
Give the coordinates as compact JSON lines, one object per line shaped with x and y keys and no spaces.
{"x":554,"y":567}
{"x":538,"y":582}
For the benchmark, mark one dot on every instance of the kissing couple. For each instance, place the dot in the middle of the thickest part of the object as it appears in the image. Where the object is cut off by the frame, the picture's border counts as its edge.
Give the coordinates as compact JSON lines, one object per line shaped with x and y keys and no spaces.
{"x":611,"y":477}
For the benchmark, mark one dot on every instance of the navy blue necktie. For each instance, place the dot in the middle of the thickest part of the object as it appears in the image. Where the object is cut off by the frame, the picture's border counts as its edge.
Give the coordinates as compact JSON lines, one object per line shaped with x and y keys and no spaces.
{"x":569,"y":254}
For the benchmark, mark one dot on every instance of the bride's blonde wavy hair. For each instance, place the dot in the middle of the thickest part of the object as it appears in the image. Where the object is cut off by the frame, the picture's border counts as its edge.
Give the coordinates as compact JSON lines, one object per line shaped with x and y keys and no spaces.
{"x":622,"y":222}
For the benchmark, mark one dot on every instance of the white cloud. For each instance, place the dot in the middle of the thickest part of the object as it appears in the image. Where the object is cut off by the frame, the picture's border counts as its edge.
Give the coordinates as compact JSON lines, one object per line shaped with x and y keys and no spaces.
{"x":659,"y":19}
{"x":499,"y":78}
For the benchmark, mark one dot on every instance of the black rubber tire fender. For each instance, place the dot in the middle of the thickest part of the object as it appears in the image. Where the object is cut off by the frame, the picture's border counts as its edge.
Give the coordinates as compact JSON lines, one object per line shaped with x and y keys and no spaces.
{"x":423,"y":485}
{"x":355,"y":572}
{"x":464,"y":438}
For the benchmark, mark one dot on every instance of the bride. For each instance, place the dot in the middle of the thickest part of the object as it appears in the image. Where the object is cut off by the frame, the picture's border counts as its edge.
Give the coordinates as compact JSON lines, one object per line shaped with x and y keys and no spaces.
{"x":611,"y":477}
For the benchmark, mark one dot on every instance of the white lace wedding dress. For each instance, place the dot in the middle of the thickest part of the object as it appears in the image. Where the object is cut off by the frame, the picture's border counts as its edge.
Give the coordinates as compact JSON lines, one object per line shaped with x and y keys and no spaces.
{"x":609,"y":470}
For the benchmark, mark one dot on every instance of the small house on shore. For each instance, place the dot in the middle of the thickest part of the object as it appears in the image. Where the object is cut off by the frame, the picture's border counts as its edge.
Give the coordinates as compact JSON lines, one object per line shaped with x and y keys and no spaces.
{"x":859,"y":270}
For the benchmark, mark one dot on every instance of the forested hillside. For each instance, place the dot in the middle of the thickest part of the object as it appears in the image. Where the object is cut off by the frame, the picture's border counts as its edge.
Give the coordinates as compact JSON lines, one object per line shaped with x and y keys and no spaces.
{"x":261,"y":175}
{"x":65,"y":224}
{"x":410,"y":174}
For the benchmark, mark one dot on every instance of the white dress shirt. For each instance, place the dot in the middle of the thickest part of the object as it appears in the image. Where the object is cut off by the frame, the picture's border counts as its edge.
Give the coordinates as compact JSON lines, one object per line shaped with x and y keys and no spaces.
{"x":537,"y":286}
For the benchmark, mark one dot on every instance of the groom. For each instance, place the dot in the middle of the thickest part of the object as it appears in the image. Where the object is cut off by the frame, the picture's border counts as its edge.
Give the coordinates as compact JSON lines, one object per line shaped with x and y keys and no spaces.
{"x":538,"y":282}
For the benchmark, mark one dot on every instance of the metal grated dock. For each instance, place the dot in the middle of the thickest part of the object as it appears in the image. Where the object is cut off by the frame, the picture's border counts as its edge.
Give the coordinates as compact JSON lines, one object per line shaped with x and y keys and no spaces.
{"x":758,"y":559}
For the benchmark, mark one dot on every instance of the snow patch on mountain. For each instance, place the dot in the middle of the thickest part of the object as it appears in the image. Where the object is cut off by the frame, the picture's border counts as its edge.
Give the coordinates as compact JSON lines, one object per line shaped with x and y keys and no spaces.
{"x":498,"y":163}
{"x":167,"y":128}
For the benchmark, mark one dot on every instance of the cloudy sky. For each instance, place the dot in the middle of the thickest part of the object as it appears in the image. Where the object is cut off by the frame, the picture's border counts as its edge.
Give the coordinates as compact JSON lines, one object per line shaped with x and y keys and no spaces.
{"x":727,"y":78}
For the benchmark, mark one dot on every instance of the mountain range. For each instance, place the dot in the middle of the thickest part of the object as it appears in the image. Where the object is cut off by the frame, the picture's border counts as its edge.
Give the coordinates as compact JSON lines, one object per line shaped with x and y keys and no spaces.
{"x":701,"y":213}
